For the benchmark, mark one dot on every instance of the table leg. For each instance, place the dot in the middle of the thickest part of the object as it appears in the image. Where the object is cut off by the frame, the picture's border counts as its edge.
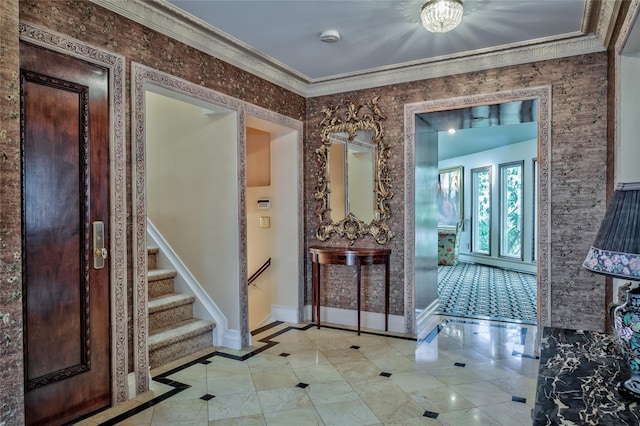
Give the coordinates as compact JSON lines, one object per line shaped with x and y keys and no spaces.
{"x":359,"y":274}
{"x":314,"y":266}
{"x":386,"y":294}
{"x":318,"y":294}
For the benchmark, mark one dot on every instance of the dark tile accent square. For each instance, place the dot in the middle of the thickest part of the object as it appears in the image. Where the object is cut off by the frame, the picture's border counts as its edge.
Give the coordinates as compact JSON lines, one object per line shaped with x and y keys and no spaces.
{"x":519,"y":399}
{"x":301,"y":385}
{"x":430,"y":414}
{"x":460,"y":364}
{"x":355,"y":347}
{"x":284,"y":354}
{"x":207,"y":397}
{"x":383,"y":374}
{"x":205,"y":362}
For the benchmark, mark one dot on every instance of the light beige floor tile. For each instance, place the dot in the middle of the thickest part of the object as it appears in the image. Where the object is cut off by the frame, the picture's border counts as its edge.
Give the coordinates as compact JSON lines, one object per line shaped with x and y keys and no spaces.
{"x":358,"y":372}
{"x":230,"y":384}
{"x":389,"y":402}
{"x":326,"y":393}
{"x":441,"y":400}
{"x":416,"y":421}
{"x":343,"y":355}
{"x":373,"y":352}
{"x":451,"y":376}
{"x":257,"y":420}
{"x":221,"y":366}
{"x":173,"y":413}
{"x":307,"y":358}
{"x":509,"y":413}
{"x":524,"y":387}
{"x":318,"y":374}
{"x":416,"y":381}
{"x":275,"y":378}
{"x":482,"y":393}
{"x":296,"y":417}
{"x":466,"y":356}
{"x":283,"y":399}
{"x":394,"y":364}
{"x":266,"y":362}
{"x":471,"y":417}
{"x":234,"y":405}
{"x":347,"y":413}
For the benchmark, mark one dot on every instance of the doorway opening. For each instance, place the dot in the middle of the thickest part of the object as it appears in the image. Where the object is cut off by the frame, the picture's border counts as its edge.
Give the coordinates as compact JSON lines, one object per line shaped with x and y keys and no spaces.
{"x":423,"y":292}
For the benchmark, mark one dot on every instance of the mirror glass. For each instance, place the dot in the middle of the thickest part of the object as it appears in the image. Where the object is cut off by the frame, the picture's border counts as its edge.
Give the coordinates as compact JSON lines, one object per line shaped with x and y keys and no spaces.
{"x":351,"y":177}
{"x":353,"y":180}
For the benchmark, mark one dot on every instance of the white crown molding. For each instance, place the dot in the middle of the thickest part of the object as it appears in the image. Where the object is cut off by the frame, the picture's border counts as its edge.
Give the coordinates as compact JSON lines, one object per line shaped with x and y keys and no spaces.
{"x":607,"y":14}
{"x":165,"y":18}
{"x":171,"y":21}
{"x":539,"y":52}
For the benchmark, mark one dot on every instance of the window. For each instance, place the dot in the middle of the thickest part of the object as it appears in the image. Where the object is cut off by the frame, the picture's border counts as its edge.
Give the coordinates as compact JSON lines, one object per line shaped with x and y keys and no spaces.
{"x":481,"y":214}
{"x":511,"y":209}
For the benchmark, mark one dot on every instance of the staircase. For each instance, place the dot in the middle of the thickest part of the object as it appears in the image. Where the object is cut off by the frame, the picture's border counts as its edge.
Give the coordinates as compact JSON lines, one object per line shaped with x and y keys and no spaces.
{"x":173,"y":332}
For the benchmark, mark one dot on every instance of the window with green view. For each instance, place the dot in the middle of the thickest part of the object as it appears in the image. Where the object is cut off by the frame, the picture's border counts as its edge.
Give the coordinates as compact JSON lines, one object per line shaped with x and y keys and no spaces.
{"x":511,"y":210}
{"x":481,"y":216}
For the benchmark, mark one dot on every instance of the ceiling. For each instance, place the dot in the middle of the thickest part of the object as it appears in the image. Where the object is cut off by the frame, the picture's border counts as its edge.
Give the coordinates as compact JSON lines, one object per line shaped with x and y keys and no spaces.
{"x":378,"y":33}
{"x":382,"y":41}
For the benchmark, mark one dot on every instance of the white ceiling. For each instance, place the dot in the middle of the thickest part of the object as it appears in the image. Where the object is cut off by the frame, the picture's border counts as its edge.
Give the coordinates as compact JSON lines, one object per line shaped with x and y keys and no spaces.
{"x":383,"y":41}
{"x":380,"y":33}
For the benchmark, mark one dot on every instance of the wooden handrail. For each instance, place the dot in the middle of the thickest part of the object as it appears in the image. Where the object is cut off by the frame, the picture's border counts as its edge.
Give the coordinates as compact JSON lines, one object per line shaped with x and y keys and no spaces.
{"x":259,"y":272}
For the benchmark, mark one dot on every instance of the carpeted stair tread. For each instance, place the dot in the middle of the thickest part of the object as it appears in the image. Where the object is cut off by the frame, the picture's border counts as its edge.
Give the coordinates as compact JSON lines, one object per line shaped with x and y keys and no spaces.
{"x":177,"y":332}
{"x":160,"y":274}
{"x":168,"y":301}
{"x":153,"y":250}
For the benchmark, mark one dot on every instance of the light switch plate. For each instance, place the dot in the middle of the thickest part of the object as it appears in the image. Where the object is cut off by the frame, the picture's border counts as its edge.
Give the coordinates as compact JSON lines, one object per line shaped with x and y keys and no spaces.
{"x":265,"y":222}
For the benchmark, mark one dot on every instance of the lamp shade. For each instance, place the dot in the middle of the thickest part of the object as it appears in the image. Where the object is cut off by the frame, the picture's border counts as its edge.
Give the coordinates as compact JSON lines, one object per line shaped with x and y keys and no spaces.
{"x":616,"y":250}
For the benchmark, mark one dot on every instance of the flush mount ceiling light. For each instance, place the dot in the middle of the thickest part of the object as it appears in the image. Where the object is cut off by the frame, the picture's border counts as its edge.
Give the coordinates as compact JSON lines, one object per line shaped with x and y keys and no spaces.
{"x":440,"y":16}
{"x":330,"y":36}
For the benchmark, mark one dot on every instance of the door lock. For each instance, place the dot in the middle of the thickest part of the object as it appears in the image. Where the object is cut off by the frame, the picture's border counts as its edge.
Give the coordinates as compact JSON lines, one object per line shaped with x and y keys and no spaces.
{"x":100,"y":253}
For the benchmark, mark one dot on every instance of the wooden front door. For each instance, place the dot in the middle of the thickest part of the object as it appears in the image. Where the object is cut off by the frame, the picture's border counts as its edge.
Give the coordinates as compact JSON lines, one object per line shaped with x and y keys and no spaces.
{"x":65,"y":190}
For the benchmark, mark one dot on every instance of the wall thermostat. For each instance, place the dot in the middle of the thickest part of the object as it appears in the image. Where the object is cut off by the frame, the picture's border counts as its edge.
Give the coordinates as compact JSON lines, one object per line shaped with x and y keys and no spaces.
{"x":264,"y":203}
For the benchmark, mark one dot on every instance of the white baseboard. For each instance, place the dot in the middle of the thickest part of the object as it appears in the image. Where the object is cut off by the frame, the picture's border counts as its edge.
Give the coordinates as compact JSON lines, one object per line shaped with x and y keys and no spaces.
{"x":371,"y":320}
{"x":426,"y":321}
{"x":284,"y":313}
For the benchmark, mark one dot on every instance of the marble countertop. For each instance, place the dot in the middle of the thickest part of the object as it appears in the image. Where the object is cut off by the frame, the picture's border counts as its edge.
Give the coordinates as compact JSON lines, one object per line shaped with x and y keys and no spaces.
{"x":577,"y":381}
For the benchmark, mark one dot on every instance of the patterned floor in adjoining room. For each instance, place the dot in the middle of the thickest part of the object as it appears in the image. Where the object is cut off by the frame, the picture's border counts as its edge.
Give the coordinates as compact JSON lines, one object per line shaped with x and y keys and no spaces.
{"x":483,"y":292}
{"x":464,"y":373}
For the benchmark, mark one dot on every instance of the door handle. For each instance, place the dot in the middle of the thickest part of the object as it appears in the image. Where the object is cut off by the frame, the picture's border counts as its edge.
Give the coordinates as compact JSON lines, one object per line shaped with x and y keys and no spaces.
{"x":100,"y":253}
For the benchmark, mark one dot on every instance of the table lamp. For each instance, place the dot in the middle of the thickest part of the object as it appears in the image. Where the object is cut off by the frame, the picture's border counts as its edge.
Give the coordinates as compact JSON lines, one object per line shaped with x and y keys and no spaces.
{"x":616,"y":252}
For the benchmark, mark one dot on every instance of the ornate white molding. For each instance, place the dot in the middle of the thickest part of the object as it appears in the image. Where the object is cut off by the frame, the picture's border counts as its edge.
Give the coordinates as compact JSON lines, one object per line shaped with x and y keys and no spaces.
{"x":629,"y":21}
{"x":142,"y":75}
{"x":171,"y":21}
{"x":543,"y":94}
{"x":117,"y":183}
{"x":532,"y":53}
{"x":607,"y":16}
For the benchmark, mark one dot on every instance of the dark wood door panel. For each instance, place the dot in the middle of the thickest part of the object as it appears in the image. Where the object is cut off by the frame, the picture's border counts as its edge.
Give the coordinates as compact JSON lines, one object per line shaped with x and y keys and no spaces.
{"x":65,"y":147}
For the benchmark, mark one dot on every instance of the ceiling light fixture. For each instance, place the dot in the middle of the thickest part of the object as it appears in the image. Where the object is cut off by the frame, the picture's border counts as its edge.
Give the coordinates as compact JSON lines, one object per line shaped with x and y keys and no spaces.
{"x":330,"y":36}
{"x":440,"y":16}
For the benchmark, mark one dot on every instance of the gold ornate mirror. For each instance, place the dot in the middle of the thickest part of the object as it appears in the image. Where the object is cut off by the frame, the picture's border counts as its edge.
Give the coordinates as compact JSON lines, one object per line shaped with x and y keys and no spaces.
{"x":353,"y":179}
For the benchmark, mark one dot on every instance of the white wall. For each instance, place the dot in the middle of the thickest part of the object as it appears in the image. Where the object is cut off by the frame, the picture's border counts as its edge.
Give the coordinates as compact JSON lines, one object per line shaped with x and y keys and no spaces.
{"x":259,"y":249}
{"x":526,"y":151}
{"x":285,"y":221}
{"x":192,"y":193}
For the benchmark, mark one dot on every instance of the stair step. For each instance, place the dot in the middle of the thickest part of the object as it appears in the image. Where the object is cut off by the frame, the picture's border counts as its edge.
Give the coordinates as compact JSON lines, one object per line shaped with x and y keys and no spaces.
{"x":152,"y":257}
{"x":168,"y":309}
{"x":160,"y":281}
{"x":173,"y":342}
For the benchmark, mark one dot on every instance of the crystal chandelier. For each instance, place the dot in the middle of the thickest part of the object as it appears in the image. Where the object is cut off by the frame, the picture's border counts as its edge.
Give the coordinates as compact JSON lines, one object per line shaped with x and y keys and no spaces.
{"x":440,"y":16}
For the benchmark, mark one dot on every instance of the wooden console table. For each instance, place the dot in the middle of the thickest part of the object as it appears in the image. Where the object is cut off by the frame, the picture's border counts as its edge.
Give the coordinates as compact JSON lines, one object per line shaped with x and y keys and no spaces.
{"x":351,"y":257}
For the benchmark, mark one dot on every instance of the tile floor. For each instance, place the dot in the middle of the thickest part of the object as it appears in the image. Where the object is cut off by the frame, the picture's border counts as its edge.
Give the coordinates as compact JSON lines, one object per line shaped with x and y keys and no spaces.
{"x":465,"y":372}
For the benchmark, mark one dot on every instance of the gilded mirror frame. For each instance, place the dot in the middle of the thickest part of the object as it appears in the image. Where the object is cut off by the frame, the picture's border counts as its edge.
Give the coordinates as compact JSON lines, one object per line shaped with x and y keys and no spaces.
{"x":356,"y":118}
